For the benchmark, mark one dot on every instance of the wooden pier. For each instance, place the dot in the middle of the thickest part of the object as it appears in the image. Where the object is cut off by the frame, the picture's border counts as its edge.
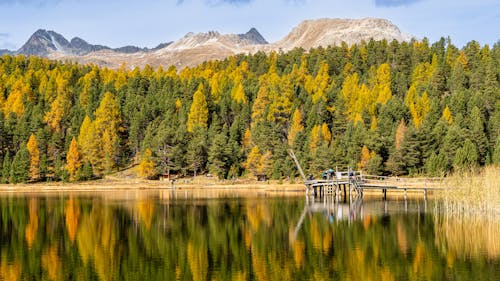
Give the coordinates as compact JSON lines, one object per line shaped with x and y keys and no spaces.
{"x":352,"y":184}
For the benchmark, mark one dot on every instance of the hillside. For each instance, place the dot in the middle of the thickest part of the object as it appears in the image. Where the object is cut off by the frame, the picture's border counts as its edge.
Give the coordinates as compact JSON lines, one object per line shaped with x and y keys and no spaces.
{"x":387,"y":108}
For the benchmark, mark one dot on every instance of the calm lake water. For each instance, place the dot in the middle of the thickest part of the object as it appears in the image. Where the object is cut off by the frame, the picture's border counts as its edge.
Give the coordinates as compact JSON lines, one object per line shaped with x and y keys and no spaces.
{"x":186,"y":235}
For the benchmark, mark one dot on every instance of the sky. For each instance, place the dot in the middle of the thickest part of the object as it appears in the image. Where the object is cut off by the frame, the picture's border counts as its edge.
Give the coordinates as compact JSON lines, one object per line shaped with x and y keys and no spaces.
{"x":147,"y":23}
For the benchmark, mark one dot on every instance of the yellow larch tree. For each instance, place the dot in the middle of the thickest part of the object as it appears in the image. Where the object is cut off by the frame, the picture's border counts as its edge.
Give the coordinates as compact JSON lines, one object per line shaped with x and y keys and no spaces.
{"x":106,"y":126}
{"x":447,"y":115}
{"x":86,"y":139}
{"x":34,"y":152}
{"x":73,"y":160}
{"x":365,"y":158}
{"x":198,"y":112}
{"x":382,"y":87}
{"x":146,"y":168}
{"x":58,"y":110}
{"x":14,"y":102}
{"x":315,"y":138}
{"x":325,"y":133}
{"x":419,"y":105}
{"x":296,"y":126}
{"x":238,"y":93}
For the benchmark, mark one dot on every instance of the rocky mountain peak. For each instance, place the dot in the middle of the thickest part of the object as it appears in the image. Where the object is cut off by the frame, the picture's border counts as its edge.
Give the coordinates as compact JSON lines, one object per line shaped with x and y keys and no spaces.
{"x":253,"y":36}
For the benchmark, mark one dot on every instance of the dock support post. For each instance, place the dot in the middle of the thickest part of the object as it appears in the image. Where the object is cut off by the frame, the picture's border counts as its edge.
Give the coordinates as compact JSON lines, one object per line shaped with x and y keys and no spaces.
{"x":384,"y":191}
{"x":405,"y":194}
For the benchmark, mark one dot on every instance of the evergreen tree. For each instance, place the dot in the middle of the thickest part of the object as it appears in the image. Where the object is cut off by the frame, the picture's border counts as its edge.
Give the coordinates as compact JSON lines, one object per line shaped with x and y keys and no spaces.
{"x":19,"y":171}
{"x":219,"y":156}
{"x":6,"y":169}
{"x":466,"y":156}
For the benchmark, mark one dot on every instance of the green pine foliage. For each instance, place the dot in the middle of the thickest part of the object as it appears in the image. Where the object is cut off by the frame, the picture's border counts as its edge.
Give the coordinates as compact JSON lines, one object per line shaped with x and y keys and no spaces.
{"x":326,"y":104}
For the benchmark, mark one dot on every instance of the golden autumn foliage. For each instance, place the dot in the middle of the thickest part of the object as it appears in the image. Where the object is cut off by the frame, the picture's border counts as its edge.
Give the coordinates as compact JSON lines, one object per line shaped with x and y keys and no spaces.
{"x":146,"y":168}
{"x":258,"y":163}
{"x":447,"y":115}
{"x":296,"y":126}
{"x":72,"y":217}
{"x":58,"y":110}
{"x":87,"y":140}
{"x":52,"y":263}
{"x":419,"y":105}
{"x":32,"y":227}
{"x":10,"y":271}
{"x":73,"y":160}
{"x":198,"y":112}
{"x":34,"y":152}
{"x":238,"y":94}
{"x":14,"y":102}
{"x":198,"y":261}
{"x":146,"y":210}
{"x":365,"y":158}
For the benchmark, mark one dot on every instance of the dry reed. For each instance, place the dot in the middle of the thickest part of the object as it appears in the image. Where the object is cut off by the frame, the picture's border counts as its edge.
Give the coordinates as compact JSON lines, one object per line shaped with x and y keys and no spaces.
{"x":470,"y":213}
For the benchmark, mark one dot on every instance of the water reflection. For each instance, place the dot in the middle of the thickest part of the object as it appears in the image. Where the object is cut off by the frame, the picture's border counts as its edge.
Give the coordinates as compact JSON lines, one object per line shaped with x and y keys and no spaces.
{"x":230,"y":235}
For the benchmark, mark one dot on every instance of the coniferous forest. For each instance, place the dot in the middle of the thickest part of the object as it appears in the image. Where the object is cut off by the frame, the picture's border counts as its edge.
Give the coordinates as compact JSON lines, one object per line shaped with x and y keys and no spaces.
{"x":385,"y":107}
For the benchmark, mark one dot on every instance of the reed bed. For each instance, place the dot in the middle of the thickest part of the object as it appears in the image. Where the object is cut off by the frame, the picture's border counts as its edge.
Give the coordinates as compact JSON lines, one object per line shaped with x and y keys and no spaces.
{"x":472,"y":193}
{"x":468,"y":215}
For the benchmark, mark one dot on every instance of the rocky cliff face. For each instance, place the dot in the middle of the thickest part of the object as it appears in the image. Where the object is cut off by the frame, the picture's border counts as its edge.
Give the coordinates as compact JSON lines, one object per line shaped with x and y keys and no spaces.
{"x":193,"y":49}
{"x":45,"y":43}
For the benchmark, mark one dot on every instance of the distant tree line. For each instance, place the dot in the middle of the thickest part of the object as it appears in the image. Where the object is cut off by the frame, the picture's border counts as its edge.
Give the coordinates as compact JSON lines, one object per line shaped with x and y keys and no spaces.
{"x":385,"y":107}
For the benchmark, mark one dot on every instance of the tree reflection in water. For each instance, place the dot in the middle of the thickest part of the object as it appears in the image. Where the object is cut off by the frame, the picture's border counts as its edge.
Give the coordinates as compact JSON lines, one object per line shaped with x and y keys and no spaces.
{"x":236,"y":236}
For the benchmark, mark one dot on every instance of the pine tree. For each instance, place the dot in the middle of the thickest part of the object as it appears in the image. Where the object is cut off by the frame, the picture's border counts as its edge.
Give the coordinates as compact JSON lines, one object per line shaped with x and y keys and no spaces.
{"x":6,"y":168}
{"x":496,"y":152}
{"x":466,"y":156}
{"x":19,"y":171}
{"x":34,"y":153}
{"x":218,"y":156}
{"x":73,"y":160}
{"x":436,"y":165}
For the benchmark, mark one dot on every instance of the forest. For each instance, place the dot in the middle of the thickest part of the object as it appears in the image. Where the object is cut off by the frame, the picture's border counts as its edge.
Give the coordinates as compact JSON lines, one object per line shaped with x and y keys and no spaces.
{"x":398,"y":108}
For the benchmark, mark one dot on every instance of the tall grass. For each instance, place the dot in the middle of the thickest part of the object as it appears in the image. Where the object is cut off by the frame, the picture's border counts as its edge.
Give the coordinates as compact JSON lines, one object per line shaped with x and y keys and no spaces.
{"x":468,"y":219}
{"x":469,"y":193}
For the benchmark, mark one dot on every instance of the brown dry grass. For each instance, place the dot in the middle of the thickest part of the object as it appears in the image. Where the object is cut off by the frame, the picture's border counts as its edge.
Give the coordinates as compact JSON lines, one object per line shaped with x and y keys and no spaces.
{"x":471,"y":220}
{"x":126,"y":181}
{"x":473,"y":192}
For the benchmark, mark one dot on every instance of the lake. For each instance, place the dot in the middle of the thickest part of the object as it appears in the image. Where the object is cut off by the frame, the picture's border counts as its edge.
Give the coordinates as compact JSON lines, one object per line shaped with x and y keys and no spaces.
{"x":229,"y":235}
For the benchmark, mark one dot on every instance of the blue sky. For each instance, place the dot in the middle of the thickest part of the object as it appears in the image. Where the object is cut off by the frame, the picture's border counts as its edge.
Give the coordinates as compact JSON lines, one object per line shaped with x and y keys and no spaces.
{"x":146,"y":23}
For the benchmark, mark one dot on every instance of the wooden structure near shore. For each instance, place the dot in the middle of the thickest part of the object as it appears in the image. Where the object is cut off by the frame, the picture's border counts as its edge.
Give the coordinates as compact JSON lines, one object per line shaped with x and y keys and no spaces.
{"x":352,"y":184}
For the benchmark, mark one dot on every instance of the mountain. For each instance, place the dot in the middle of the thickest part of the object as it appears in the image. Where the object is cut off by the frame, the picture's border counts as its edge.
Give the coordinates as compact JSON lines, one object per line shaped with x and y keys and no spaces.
{"x":195,"y":48}
{"x":325,"y":32}
{"x":5,"y":52}
{"x":46,"y":43}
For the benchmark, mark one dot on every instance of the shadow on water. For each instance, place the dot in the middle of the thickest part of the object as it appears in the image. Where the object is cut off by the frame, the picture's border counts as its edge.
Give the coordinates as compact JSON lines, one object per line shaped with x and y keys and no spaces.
{"x":228,"y":235}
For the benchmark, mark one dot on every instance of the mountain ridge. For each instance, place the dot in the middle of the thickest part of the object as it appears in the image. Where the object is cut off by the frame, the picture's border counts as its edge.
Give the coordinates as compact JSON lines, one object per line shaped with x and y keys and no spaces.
{"x":195,"y":48}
